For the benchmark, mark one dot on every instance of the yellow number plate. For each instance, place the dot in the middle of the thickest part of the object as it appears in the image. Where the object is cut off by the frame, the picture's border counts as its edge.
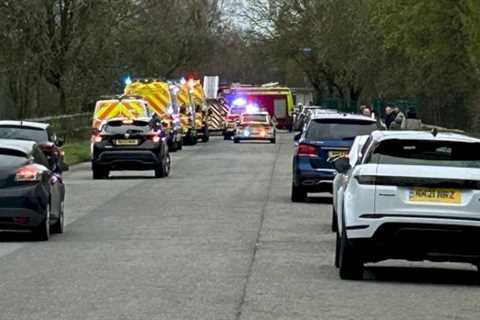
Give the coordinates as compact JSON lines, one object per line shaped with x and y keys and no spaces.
{"x":435,"y":195}
{"x":337,"y":154}
{"x":126,"y":142}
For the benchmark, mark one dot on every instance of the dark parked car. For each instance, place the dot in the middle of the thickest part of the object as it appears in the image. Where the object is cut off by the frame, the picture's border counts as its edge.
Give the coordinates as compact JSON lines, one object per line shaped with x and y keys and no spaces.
{"x":326,"y":137}
{"x":42,"y":134}
{"x":130,"y":145}
{"x":31,"y":194}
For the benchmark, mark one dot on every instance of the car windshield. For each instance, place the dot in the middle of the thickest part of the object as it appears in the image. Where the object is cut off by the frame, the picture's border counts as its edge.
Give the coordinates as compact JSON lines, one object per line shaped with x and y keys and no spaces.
{"x":335,"y":129}
{"x":119,"y":127}
{"x":427,"y":153}
{"x":255,"y":118}
{"x":24,"y":133}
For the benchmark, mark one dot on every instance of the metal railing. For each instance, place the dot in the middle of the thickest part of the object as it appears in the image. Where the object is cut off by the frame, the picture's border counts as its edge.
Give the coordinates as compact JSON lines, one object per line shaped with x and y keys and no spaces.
{"x":76,"y":127}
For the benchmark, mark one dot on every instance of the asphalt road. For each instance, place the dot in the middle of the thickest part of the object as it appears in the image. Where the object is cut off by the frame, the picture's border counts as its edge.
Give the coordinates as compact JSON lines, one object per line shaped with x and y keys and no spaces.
{"x":218,"y":239}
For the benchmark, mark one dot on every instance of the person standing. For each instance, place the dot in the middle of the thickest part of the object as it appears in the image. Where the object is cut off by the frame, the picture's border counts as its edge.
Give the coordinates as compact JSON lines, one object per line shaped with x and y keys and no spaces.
{"x":398,"y":120}
{"x":389,"y":117}
{"x":367,"y":111}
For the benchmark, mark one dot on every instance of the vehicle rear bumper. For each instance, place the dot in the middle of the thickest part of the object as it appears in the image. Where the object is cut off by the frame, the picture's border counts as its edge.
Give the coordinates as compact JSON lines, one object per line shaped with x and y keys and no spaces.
{"x":22,"y":207}
{"x":266,"y":138}
{"x":320,"y":180}
{"x":127,"y":160}
{"x":417,"y":242}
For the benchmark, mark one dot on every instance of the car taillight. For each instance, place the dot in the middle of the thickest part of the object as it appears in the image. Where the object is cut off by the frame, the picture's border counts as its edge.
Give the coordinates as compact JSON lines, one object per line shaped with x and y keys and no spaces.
{"x":366,"y":179}
{"x":306,"y":150}
{"x":156,"y":138}
{"x":27,"y":173}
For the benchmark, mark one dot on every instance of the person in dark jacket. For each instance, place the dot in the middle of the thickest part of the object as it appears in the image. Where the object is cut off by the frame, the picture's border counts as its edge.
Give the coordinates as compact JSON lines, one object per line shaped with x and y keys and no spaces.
{"x":389,"y":116}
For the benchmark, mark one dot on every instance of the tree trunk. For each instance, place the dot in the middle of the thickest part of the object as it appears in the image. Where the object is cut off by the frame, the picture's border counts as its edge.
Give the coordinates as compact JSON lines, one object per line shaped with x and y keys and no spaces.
{"x":62,"y":103}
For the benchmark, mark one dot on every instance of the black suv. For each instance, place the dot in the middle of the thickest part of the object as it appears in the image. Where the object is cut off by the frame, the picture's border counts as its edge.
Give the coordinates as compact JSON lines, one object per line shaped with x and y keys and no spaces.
{"x":130,"y":145}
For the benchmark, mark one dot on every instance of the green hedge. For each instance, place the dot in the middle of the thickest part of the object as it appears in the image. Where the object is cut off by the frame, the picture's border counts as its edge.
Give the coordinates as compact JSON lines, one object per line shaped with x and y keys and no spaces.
{"x":77,"y":152}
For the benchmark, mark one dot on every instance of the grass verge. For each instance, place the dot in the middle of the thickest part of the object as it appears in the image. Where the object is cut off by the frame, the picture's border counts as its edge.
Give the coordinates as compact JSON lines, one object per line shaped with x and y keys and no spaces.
{"x":76,"y":152}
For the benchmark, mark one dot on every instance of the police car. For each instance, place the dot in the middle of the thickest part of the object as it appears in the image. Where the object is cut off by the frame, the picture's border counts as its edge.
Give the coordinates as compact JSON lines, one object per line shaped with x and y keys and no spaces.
{"x":255,"y":126}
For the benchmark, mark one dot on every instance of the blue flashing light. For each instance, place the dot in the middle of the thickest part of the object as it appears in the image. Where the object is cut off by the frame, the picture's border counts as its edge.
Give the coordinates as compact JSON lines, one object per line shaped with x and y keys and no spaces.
{"x":128,"y":81}
{"x":240,"y":102}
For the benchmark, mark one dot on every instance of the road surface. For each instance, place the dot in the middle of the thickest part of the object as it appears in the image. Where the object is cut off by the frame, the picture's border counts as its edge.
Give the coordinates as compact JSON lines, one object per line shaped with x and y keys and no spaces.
{"x":219,"y":239}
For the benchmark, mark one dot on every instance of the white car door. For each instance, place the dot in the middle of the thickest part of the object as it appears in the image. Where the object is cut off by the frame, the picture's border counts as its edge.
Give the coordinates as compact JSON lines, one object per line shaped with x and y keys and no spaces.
{"x":344,"y":180}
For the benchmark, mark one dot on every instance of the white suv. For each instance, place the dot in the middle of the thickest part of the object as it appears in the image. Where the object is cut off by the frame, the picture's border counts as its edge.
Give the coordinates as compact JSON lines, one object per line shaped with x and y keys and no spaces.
{"x":410,"y":195}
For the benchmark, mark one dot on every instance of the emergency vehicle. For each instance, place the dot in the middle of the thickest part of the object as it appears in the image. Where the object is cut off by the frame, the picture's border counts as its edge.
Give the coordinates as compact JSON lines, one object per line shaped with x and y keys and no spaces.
{"x":217,"y":113}
{"x":159,"y":97}
{"x":255,"y":126}
{"x":230,"y":121}
{"x":117,"y":107}
{"x":193,"y":111}
{"x":275,"y":99}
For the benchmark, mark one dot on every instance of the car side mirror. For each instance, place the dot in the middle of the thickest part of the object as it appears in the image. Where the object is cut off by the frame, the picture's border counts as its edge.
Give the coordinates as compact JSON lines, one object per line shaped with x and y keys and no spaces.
{"x":60,"y":142}
{"x":342,"y":165}
{"x":297,"y":137}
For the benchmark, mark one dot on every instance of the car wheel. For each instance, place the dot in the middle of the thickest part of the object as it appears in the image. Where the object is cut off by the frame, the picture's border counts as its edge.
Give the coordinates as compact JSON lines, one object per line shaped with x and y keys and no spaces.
{"x":226,"y":136}
{"x":350,"y":264}
{"x":273,"y":140}
{"x":173,"y":147}
{"x":58,"y":226}
{"x":42,"y":231}
{"x":164,"y":169}
{"x":235,"y":140}
{"x":99,"y":173}
{"x":206,"y":135}
{"x":337,"y":251}
{"x":298,"y":194}
{"x":334,"y":220}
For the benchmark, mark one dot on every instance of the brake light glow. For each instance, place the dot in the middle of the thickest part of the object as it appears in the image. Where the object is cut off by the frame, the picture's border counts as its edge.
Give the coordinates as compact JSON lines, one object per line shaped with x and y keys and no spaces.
{"x":27,"y":173}
{"x":156,"y":138}
{"x":306,"y":150}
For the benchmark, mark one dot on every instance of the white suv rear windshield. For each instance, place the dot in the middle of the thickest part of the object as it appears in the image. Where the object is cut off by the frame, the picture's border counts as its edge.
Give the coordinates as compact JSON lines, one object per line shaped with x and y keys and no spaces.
{"x":427,"y":153}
